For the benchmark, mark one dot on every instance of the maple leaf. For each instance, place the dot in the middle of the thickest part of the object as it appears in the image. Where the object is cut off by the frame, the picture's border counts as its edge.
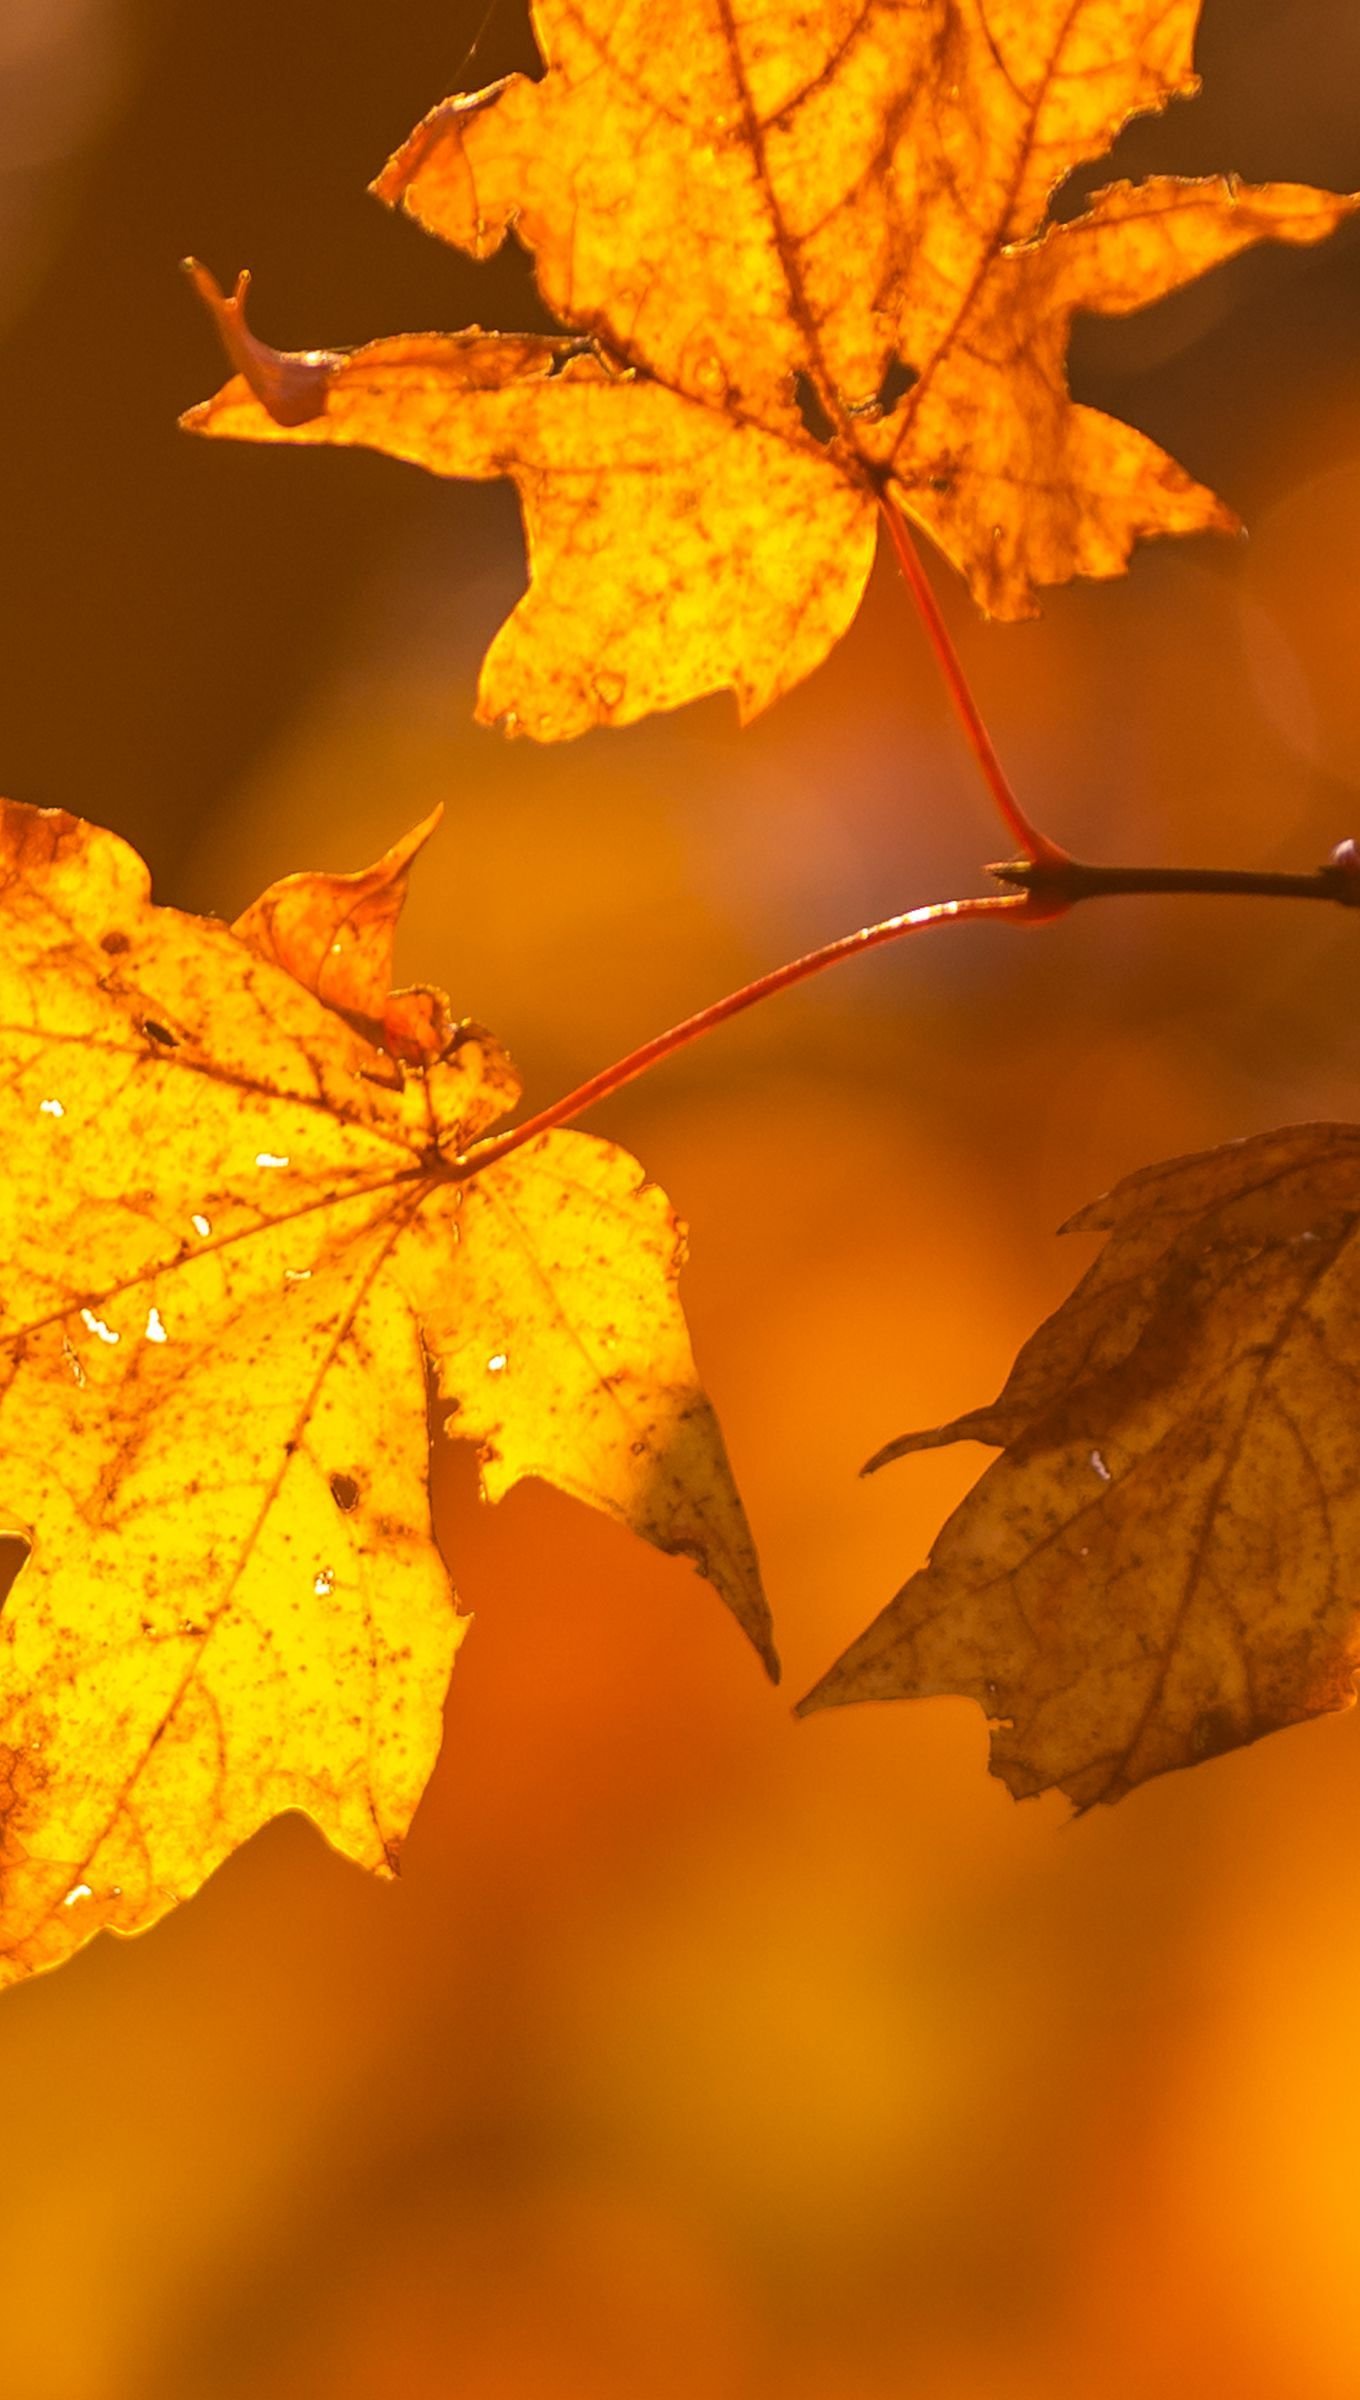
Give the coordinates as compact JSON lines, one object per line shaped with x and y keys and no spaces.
{"x":1165,"y":1563}
{"x":808,"y":257}
{"x":238,"y":1234}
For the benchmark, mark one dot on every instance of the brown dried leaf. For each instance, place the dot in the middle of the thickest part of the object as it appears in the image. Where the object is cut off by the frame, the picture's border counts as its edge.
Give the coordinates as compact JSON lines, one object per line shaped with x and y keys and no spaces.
{"x":1165,"y":1563}
{"x":810,"y":256}
{"x":236,"y":1237}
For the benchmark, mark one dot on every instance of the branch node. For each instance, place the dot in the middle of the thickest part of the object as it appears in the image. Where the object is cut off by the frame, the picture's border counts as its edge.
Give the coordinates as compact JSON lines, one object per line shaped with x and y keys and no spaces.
{"x":1343,"y":869}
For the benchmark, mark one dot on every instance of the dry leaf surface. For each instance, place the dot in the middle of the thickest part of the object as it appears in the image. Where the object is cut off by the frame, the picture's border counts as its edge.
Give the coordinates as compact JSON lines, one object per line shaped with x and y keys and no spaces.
{"x":1165,"y":1562}
{"x":239,"y":1256}
{"x":808,"y":257}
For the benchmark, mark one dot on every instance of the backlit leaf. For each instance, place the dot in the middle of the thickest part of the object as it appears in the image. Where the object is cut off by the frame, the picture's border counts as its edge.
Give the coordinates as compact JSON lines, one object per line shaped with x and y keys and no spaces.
{"x":808,"y":260}
{"x":241,"y":1241}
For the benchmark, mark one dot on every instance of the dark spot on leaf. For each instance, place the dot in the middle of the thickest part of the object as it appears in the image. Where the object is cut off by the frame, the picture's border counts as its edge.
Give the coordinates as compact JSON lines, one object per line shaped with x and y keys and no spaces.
{"x":160,"y":1033}
{"x":344,"y":1492}
{"x":13,"y":1551}
{"x":808,"y":401}
{"x":114,"y":943}
{"x":898,"y":380}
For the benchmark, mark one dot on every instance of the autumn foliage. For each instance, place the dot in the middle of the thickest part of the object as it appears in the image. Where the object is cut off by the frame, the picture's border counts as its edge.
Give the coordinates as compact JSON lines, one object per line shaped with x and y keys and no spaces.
{"x":868,"y":307}
{"x":265,"y":1255}
{"x":272,"y":1203}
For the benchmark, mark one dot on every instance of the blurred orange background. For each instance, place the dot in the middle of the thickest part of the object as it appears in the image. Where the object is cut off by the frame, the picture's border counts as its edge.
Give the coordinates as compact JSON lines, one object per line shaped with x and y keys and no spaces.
{"x":698,"y":2054}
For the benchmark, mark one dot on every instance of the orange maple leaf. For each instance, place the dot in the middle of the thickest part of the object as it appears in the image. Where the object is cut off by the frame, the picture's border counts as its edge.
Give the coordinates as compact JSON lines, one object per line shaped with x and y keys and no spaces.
{"x":809,"y":260}
{"x":237,"y":1233}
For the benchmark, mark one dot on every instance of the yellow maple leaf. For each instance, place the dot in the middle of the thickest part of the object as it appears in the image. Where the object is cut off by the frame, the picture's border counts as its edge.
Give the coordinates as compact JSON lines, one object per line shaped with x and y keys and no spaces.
{"x":809,"y":256}
{"x":237,"y":1233}
{"x":1165,"y":1563}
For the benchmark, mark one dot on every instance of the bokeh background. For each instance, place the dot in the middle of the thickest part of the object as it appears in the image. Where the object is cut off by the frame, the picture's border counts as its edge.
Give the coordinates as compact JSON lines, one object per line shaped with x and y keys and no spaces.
{"x":700,"y":2055}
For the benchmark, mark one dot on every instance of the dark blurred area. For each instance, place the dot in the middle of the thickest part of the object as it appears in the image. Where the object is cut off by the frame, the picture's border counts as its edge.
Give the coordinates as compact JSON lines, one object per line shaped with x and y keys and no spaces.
{"x":698,"y":2054}
{"x":159,"y":621}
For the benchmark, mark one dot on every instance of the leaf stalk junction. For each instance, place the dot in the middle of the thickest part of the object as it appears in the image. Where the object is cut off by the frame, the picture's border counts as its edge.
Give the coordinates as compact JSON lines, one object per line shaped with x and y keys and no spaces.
{"x":1043,"y":883}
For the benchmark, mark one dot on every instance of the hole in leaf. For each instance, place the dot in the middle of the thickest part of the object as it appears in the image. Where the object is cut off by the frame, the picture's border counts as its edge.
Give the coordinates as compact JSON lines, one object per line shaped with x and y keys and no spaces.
{"x":809,"y":404}
{"x":898,"y":380}
{"x":344,"y":1492}
{"x":567,"y":356}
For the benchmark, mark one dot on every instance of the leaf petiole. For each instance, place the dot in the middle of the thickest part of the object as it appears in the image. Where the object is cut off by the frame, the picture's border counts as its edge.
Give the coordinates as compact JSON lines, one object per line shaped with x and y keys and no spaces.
{"x":1035,"y":845}
{"x":1012,"y":907}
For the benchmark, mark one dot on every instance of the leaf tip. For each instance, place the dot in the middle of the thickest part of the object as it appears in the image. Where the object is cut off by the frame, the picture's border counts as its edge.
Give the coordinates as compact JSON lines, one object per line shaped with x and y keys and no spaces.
{"x":292,"y":385}
{"x":889,"y":1451}
{"x":973,"y":1427}
{"x":819,"y":1697}
{"x":430,"y":179}
{"x":414,"y":842}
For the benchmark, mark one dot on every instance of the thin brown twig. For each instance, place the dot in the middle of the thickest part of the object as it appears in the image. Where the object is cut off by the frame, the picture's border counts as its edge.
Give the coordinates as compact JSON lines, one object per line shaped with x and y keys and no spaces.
{"x":1070,"y":879}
